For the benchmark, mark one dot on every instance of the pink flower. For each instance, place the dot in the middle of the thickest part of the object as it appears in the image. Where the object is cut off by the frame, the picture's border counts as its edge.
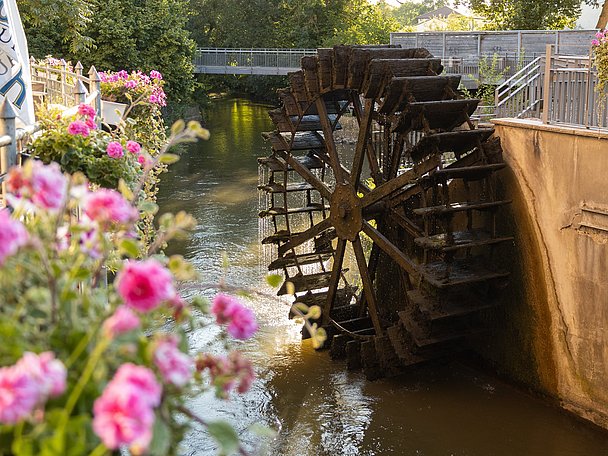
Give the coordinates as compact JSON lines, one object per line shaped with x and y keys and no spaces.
{"x":241,"y":321}
{"x":153,"y":99}
{"x":599,"y":35}
{"x":122,"y":321}
{"x":122,"y":74}
{"x":78,"y":127}
{"x":89,"y":243}
{"x":175,"y":367}
{"x":220,"y":306}
{"x":156,"y":75}
{"x":123,"y":415}
{"x":144,"y":285}
{"x":115,"y":149}
{"x":108,"y":207}
{"x":49,"y":373}
{"x":595,"y":43}
{"x":130,"y":84}
{"x":243,"y":324}
{"x":19,"y":394}
{"x":134,"y":147}
{"x":142,"y":379}
{"x":227,"y":371}
{"x":49,"y":186}
{"x":86,"y":110}
{"x":13,"y":235}
{"x":90,"y":122}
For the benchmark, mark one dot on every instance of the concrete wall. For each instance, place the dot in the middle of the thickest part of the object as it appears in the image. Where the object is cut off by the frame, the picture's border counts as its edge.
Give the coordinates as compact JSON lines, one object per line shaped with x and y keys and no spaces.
{"x":552,"y":332}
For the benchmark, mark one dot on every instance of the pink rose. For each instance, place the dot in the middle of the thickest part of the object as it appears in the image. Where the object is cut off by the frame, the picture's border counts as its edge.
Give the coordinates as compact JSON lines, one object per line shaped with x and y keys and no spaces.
{"x":134,"y":147}
{"x":90,"y":122}
{"x":86,"y":110}
{"x":122,"y":321}
{"x":175,"y":367}
{"x":49,"y":186}
{"x":241,"y":321}
{"x":13,"y":235}
{"x":49,"y":373}
{"x":144,"y":285}
{"x":243,"y":324}
{"x":115,"y":149}
{"x":142,"y":379}
{"x":123,"y":415}
{"x":18,"y":395}
{"x":78,"y":127}
{"x":108,"y":207}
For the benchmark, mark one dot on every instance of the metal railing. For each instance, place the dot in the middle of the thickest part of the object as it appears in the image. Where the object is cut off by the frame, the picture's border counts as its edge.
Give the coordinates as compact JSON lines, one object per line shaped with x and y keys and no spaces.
{"x":50,"y":84}
{"x":249,"y":61}
{"x":558,"y":89}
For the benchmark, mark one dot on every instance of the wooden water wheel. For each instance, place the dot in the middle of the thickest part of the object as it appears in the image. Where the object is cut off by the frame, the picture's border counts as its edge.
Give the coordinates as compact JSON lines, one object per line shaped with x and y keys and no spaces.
{"x":415,"y":205}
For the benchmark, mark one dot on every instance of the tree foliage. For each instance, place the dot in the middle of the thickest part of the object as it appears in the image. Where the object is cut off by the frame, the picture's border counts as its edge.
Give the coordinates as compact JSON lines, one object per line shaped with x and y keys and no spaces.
{"x":528,"y":14}
{"x":407,"y":12}
{"x":116,"y":34}
{"x":289,"y":23}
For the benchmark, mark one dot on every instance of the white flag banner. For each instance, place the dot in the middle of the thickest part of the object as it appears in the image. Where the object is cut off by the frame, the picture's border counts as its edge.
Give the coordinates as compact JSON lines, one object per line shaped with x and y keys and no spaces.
{"x":15,"y":78}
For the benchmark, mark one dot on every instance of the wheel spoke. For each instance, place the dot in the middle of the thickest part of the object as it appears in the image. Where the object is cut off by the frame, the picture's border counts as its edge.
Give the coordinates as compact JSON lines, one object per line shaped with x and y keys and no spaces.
{"x":304,"y":236}
{"x":334,"y":280}
{"x":330,"y":145}
{"x":391,"y":250}
{"x":368,"y":289}
{"x":399,"y":182}
{"x":365,"y":122}
{"x":308,"y":176}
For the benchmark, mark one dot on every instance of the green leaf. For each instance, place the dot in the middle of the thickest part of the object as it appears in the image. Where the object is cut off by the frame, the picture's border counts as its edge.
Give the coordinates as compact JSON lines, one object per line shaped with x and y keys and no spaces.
{"x":129,"y":247}
{"x":148,"y":207}
{"x":301,"y":307}
{"x":168,"y":159}
{"x":125,"y":190}
{"x":274,"y":280}
{"x":225,"y":435}
{"x":161,"y":440}
{"x":178,"y":127}
{"x":318,"y":336}
{"x":314,"y":313}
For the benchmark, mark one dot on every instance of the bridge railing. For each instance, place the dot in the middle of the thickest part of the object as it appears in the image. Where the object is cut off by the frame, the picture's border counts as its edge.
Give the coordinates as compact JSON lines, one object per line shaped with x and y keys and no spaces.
{"x":249,"y":61}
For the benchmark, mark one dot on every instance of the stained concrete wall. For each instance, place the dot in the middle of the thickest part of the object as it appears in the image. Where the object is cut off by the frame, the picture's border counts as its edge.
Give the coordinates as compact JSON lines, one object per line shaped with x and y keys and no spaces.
{"x":552,"y":331}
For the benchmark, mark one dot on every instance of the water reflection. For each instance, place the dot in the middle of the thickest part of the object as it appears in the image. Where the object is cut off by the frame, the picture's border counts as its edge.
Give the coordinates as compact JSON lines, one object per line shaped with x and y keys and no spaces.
{"x":322,"y":408}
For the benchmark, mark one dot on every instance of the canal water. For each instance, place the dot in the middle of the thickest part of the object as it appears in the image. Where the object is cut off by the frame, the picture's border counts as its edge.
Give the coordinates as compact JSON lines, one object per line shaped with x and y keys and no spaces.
{"x":319,"y":407}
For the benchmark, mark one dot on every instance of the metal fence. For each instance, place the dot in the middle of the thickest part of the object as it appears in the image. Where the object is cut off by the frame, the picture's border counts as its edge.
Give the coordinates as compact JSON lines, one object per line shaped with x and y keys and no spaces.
{"x":557,"y":89}
{"x":51,"y":83}
{"x":249,"y":61}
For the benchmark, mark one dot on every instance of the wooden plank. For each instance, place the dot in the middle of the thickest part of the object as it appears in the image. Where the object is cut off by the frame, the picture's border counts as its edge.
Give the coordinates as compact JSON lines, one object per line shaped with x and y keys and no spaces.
{"x":452,"y":208}
{"x":299,"y":141}
{"x":307,"y":282}
{"x":381,"y":71}
{"x":460,"y":240}
{"x":442,"y":115}
{"x":403,"y":90}
{"x":460,"y":272}
{"x":311,"y":78}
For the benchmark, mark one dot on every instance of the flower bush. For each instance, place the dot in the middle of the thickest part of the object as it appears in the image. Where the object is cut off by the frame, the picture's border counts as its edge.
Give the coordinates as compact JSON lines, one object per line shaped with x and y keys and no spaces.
{"x":600,"y":60}
{"x":77,"y":144}
{"x":86,"y":368}
{"x":136,"y":86}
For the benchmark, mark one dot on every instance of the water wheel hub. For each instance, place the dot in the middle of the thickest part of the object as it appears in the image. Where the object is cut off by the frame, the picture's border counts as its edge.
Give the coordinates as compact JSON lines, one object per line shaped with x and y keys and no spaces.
{"x":345,"y":212}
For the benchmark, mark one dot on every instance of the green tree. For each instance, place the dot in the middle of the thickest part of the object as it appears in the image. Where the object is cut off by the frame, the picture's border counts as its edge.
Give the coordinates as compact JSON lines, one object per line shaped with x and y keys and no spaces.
{"x":408,"y":10}
{"x":528,"y":14}
{"x":119,"y":34}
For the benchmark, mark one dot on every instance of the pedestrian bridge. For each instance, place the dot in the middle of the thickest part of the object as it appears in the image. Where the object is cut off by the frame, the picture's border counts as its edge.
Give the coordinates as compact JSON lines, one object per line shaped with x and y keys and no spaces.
{"x":266,"y":62}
